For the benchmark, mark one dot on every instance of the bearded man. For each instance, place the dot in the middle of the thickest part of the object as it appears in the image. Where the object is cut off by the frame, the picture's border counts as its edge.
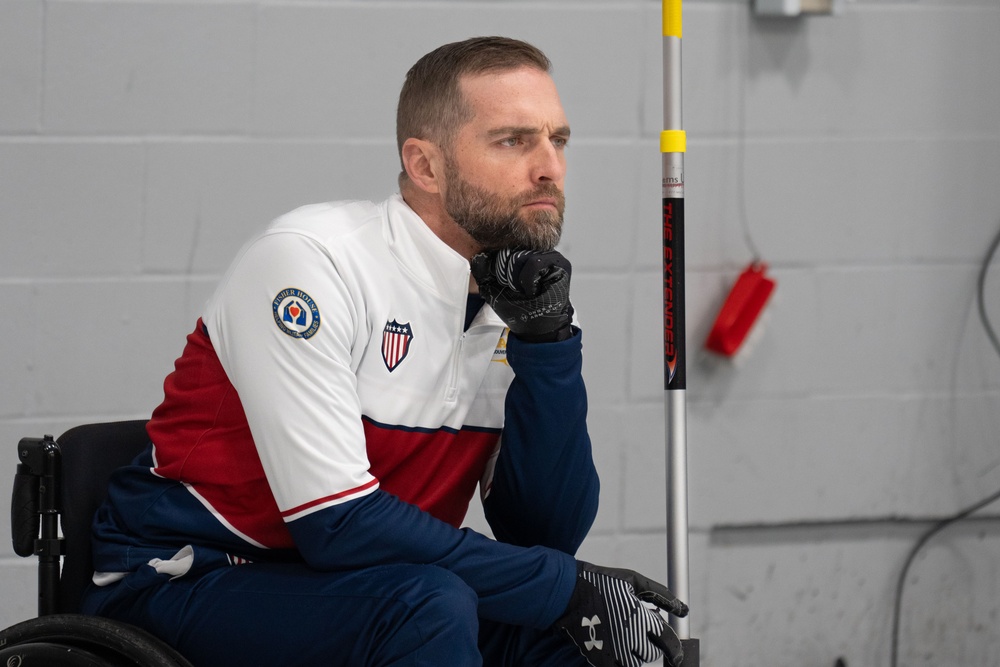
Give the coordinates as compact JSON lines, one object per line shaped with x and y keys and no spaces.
{"x":361,"y":369}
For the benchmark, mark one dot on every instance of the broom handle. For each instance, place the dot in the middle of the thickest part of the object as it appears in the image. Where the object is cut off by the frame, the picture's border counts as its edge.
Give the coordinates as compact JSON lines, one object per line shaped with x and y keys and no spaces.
{"x":672,"y":146}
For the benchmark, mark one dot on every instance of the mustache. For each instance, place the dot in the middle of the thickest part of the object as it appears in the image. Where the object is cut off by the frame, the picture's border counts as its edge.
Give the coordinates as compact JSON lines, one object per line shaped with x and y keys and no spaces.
{"x":545,"y":191}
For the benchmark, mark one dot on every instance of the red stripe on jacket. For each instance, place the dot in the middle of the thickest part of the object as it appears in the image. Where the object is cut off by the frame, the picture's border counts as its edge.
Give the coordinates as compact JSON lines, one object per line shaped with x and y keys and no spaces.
{"x":202,"y":439}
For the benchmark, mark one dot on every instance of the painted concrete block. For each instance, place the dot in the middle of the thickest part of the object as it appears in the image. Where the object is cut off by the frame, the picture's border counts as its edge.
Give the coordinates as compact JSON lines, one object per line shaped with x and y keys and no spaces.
{"x":869,"y":71}
{"x":606,"y":430}
{"x":871,"y":201}
{"x":828,"y":201}
{"x":604,"y":318}
{"x":599,"y":548}
{"x":713,"y":49}
{"x":876,"y":72}
{"x":782,"y":342}
{"x":873,"y":332}
{"x":70,"y":209}
{"x":206,"y":199}
{"x":645,"y":493}
{"x":830,"y":331}
{"x":839,"y":458}
{"x":124,"y":68}
{"x":106,"y":346}
{"x":20,"y":596}
{"x":715,"y":224}
{"x":602,"y":205}
{"x":818,"y":594}
{"x":20,"y":66}
{"x":337,"y":71}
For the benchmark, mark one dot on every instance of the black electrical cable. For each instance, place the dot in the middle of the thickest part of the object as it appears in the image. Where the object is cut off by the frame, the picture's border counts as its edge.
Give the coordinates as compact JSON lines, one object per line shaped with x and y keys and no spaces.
{"x":941,"y":525}
{"x":741,"y":154}
{"x":981,"y":290}
{"x":936,"y":528}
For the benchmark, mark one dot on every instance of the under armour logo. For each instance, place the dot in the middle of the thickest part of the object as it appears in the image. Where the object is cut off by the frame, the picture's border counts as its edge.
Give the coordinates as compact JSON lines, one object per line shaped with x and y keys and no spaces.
{"x":594,"y":642}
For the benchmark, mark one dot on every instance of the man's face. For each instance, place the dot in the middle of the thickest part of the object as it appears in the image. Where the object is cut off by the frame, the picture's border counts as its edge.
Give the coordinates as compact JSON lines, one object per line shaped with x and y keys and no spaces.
{"x":506,"y":167}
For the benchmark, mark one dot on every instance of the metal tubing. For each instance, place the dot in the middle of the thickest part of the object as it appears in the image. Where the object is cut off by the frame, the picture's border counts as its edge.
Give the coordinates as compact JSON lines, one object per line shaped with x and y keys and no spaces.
{"x":673,"y":144}
{"x":677,"y":514}
{"x":672,"y":110}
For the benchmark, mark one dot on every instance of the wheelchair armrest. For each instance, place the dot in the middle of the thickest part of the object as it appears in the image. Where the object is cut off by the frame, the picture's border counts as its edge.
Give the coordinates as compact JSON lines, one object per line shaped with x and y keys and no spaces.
{"x":35,"y":505}
{"x":24,"y":516}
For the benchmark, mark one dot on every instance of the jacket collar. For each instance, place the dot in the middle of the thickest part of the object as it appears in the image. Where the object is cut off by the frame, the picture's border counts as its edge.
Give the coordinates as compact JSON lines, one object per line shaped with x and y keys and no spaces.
{"x":430,"y":261}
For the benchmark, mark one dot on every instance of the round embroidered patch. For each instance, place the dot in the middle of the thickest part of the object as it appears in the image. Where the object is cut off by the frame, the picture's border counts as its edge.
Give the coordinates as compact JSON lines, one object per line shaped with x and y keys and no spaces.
{"x":295,"y":313}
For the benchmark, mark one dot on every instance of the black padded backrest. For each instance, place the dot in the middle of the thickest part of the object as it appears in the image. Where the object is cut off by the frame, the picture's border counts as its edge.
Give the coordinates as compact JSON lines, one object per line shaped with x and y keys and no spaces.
{"x":90,"y":453}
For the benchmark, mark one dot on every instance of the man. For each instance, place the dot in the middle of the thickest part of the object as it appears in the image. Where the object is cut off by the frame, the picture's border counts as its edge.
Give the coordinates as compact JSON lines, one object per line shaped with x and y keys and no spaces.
{"x":345,"y":391}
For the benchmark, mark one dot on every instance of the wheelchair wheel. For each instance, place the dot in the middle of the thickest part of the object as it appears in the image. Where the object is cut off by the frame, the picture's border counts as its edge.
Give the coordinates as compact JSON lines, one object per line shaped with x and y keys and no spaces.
{"x":75,"y":640}
{"x":44,"y":653}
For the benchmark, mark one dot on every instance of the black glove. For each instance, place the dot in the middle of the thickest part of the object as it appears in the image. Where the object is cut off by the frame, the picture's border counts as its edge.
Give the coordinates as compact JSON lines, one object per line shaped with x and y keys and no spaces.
{"x":613,"y":620}
{"x":529,"y":290}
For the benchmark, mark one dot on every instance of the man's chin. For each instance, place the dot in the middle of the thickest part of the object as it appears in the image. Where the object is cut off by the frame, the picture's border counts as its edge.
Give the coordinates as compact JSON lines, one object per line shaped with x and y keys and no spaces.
{"x":539,"y":231}
{"x":544,"y":232}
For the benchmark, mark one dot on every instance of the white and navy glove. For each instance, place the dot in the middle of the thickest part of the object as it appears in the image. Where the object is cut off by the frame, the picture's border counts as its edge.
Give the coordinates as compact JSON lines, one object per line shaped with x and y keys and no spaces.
{"x":529,"y":290}
{"x":613,"y":618}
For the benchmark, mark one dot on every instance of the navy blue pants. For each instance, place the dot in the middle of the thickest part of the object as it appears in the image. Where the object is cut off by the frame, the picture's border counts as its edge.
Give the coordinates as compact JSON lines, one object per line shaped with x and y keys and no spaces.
{"x":275,"y":614}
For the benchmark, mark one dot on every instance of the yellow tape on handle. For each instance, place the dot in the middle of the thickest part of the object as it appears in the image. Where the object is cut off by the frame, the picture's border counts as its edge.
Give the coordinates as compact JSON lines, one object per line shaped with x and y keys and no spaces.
{"x":672,"y":18}
{"x":673,"y":141}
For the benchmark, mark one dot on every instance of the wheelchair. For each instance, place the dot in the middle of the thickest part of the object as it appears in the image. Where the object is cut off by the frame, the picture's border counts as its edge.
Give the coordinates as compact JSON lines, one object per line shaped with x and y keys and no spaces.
{"x":59,"y":484}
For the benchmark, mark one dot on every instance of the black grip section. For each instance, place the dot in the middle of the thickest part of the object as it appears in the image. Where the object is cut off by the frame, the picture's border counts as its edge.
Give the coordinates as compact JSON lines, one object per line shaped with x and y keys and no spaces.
{"x":692,"y":652}
{"x":24,"y":517}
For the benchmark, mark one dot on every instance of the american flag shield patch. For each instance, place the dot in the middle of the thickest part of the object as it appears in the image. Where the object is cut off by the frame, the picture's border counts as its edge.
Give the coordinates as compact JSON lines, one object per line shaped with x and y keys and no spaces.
{"x":396,"y":339}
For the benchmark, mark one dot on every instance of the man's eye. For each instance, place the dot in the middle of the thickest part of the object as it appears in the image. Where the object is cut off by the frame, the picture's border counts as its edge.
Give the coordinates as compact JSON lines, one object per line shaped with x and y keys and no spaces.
{"x":510,"y":141}
{"x":560,"y":142}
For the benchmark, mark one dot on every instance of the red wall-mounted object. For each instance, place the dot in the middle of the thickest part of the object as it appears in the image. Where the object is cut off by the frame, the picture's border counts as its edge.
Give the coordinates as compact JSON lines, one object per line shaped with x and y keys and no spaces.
{"x":743,"y":306}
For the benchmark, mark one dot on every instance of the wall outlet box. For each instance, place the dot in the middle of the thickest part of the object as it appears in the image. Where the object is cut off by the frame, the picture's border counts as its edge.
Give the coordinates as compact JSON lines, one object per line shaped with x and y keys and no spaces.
{"x":798,"y":7}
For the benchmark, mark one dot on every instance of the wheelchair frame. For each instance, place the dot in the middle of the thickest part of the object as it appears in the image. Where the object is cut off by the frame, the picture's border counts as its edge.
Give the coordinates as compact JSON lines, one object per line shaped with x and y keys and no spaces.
{"x":60,"y":637}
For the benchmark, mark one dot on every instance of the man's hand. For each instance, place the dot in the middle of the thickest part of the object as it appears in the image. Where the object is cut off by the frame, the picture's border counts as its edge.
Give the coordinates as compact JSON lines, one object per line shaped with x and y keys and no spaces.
{"x":529,"y":290}
{"x":613,"y":618}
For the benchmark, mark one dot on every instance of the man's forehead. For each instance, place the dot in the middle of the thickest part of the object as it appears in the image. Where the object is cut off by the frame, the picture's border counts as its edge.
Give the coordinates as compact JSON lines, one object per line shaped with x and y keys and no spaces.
{"x":525,"y":98}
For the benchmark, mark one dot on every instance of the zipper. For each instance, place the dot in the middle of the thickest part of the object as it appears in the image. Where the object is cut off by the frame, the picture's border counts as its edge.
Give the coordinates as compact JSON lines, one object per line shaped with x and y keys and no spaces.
{"x":451,"y":393}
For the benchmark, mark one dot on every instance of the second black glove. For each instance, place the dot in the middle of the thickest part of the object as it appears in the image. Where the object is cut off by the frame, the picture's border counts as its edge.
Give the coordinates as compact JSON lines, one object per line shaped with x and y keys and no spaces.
{"x":613,"y":619}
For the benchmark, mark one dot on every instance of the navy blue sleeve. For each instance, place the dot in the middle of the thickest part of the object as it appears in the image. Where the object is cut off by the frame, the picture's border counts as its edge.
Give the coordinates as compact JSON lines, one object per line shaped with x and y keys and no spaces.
{"x":545,"y":487}
{"x":516,"y":585}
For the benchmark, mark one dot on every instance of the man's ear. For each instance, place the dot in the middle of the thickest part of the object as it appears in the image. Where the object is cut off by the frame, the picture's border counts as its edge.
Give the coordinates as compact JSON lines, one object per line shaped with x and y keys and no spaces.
{"x":424,"y":164}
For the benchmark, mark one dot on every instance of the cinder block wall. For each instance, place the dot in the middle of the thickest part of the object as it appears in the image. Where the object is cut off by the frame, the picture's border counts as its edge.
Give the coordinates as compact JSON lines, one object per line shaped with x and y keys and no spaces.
{"x":142,"y":142}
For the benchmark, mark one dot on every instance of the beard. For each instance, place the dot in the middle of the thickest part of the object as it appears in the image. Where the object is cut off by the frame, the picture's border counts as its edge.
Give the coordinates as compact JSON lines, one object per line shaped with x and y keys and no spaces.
{"x":496,"y":222}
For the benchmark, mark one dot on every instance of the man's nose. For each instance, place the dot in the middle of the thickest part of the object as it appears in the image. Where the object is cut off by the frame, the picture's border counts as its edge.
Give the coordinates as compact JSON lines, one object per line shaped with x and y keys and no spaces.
{"x":549,"y":163}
